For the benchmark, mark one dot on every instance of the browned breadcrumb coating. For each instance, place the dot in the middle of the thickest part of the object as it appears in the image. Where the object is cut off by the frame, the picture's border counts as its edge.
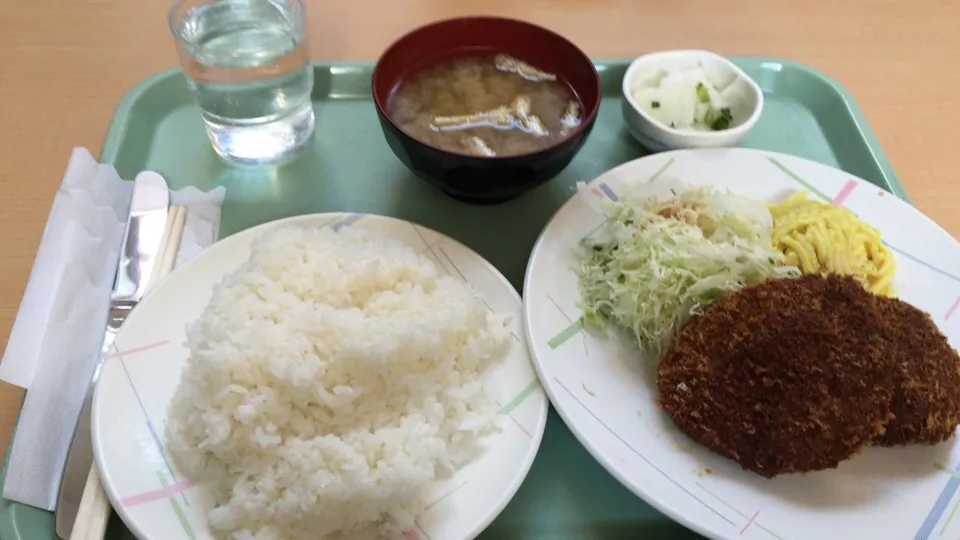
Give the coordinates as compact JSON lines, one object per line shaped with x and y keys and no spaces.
{"x":926,"y":399}
{"x":786,"y":376}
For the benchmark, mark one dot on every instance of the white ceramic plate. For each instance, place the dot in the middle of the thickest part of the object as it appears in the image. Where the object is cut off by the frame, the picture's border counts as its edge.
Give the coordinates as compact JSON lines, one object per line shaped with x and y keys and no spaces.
{"x":610,"y":402}
{"x":129,"y":408}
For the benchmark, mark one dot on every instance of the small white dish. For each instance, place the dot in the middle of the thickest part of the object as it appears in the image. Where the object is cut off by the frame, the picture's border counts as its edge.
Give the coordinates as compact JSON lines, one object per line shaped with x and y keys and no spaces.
{"x":130,"y":405}
{"x":744,"y":97}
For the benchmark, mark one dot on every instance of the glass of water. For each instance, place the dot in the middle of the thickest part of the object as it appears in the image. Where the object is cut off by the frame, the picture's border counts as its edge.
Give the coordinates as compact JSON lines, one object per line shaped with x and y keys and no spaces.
{"x":248,"y":65}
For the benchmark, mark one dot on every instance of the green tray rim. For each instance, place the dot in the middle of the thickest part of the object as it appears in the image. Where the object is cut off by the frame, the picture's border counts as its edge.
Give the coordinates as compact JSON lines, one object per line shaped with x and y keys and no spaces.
{"x":116,"y":129}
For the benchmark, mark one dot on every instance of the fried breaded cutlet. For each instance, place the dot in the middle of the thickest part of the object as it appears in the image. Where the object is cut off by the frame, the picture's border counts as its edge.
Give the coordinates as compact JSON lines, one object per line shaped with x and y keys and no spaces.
{"x":786,"y":376}
{"x":926,"y":398}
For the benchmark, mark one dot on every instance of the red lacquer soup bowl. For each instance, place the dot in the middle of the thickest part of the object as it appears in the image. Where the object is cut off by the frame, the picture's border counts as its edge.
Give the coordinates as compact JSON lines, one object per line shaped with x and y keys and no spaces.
{"x":482,"y":179}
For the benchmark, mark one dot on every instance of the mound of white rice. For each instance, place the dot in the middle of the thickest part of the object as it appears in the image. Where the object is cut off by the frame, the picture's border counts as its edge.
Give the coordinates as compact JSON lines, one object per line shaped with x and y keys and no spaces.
{"x":331,"y":380}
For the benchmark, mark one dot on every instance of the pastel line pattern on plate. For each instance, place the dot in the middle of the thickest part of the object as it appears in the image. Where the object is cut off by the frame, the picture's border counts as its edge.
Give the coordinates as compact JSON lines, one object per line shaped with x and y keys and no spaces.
{"x":464,"y":279}
{"x":337,"y":222}
{"x":346,"y":221}
{"x":844,"y":192}
{"x":516,"y":422}
{"x":449,"y":260}
{"x":432,"y":250}
{"x":612,"y":195}
{"x":181,"y":517}
{"x":741,"y":514}
{"x":807,"y":185}
{"x":939,"y":506}
{"x":944,"y":469}
{"x":413,"y":533}
{"x":641,"y":456}
{"x":422,"y":532}
{"x":506,"y":410}
{"x":661,"y":170}
{"x":953,"y":511}
{"x":514,"y":402}
{"x":922,"y":262}
{"x":430,"y":247}
{"x":899,"y":251}
{"x":156,"y":494}
{"x":438,"y":500}
{"x":953,"y":307}
{"x":560,"y":309}
{"x":608,"y":192}
{"x":142,"y":348}
{"x":150,"y":426}
{"x":445,"y":496}
{"x":566,"y":334}
{"x":750,"y":522}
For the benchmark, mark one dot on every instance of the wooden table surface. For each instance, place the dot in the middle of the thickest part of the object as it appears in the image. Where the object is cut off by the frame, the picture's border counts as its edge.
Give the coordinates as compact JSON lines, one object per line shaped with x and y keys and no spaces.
{"x":66,"y":63}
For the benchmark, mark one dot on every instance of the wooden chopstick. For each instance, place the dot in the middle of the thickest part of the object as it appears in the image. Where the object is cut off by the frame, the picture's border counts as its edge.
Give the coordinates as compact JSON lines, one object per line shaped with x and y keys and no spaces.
{"x":94,"y":510}
{"x":164,"y":247}
{"x":170,"y":245}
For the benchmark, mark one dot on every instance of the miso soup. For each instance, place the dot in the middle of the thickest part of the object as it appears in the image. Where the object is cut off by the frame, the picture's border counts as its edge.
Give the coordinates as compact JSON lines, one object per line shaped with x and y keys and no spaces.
{"x":492,"y":105}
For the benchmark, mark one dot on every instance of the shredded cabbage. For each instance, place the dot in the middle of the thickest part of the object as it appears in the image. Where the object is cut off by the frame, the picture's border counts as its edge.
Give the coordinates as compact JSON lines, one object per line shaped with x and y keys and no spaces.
{"x":657,"y":261}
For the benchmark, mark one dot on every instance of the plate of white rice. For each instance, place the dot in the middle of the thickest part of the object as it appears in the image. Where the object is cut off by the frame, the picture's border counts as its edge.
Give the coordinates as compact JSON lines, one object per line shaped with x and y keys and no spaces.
{"x":332,"y":376}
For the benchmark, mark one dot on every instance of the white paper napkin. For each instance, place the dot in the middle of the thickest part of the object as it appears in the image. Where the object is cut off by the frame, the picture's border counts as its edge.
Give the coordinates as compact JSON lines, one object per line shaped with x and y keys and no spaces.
{"x":88,"y":215}
{"x":56,"y":338}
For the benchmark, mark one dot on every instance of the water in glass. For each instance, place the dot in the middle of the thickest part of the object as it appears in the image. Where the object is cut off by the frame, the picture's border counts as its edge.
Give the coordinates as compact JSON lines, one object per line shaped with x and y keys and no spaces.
{"x":248,"y":64}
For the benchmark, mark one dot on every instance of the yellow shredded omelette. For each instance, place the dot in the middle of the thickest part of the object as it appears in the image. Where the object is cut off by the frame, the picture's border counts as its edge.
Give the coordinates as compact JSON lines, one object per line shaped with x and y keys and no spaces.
{"x":820,"y":238}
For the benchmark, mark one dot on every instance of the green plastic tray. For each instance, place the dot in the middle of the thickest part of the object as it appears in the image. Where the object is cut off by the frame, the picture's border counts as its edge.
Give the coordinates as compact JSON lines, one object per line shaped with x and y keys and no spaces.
{"x":350,"y":168}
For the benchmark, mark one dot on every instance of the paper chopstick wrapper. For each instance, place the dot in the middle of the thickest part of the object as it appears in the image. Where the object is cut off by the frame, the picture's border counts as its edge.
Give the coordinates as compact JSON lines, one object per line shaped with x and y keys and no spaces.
{"x":202,"y":225}
{"x":56,"y":339}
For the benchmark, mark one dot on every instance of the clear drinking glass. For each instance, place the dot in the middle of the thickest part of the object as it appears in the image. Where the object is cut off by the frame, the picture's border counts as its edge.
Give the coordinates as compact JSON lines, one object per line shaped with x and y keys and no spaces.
{"x":248,"y":65}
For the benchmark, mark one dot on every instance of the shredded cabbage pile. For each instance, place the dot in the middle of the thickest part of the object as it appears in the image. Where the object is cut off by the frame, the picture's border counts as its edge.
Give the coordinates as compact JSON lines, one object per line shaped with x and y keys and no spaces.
{"x":658,"y":260}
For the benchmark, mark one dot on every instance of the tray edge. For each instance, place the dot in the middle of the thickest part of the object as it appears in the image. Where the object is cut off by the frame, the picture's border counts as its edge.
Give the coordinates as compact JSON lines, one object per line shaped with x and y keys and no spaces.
{"x":117,"y":126}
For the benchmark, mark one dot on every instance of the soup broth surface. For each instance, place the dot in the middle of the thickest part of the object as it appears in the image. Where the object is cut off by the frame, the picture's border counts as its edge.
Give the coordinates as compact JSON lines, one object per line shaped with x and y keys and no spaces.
{"x":494,"y":105}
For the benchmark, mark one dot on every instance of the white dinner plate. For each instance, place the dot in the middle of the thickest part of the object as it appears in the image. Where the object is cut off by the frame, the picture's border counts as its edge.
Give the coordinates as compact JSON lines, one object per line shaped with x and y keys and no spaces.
{"x":139,"y":379}
{"x":609,"y":400}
